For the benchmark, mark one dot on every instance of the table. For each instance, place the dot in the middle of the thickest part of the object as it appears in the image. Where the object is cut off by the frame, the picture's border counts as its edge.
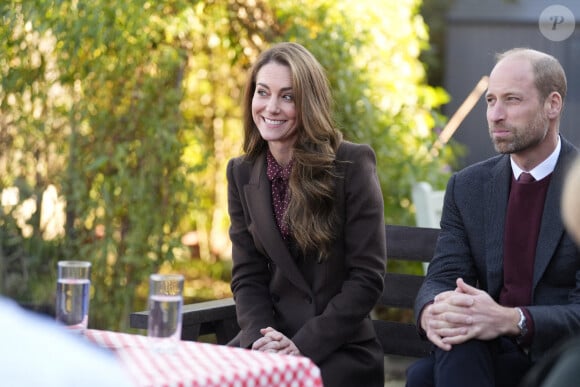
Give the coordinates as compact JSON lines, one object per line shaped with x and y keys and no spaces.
{"x":189,"y":363}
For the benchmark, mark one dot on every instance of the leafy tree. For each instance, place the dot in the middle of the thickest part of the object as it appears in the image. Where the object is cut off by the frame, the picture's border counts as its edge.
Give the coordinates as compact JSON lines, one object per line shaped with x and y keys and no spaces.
{"x":31,"y":133}
{"x":118,"y":129}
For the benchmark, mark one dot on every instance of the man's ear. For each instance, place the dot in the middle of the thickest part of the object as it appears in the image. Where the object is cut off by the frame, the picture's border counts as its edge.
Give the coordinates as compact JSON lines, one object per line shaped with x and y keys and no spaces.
{"x":553,"y":105}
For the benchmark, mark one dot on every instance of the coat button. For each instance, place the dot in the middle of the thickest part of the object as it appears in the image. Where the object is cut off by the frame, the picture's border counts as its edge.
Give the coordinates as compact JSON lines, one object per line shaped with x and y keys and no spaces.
{"x":308,"y":299}
{"x":275,"y":298}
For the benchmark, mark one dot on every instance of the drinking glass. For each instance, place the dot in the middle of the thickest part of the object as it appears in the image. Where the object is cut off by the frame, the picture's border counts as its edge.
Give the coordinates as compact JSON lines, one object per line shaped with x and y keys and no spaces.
{"x":165,"y":304}
{"x":72,"y":294}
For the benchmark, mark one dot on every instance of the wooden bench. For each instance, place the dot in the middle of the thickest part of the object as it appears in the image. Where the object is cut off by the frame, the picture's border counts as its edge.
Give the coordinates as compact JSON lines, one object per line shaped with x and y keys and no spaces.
{"x":404,"y":243}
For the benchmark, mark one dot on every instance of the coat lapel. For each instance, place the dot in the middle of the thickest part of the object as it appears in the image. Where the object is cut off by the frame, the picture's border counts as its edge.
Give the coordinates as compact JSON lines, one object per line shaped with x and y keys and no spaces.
{"x":259,"y":199}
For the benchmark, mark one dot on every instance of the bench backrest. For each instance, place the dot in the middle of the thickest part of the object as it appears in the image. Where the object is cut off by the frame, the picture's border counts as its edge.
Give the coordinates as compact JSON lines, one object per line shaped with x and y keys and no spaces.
{"x":410,"y":244}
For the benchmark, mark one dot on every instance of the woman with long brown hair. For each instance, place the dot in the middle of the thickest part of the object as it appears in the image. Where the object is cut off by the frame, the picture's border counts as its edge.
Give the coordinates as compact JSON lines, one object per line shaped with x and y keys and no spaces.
{"x":307,"y":225}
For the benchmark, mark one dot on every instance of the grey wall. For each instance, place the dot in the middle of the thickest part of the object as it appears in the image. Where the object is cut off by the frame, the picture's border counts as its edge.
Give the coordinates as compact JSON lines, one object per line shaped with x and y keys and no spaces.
{"x":476,"y":31}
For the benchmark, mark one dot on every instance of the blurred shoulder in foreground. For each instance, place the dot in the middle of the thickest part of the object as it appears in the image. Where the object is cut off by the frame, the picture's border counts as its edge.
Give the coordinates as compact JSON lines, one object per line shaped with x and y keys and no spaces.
{"x":36,"y":351}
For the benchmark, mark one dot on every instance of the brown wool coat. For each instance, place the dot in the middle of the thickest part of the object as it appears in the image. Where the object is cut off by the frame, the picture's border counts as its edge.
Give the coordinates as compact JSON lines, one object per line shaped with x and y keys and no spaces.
{"x":327,"y":316}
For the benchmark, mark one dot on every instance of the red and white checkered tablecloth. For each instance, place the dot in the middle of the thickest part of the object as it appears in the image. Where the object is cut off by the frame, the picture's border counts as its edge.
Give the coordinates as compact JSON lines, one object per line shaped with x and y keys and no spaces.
{"x":189,"y":363}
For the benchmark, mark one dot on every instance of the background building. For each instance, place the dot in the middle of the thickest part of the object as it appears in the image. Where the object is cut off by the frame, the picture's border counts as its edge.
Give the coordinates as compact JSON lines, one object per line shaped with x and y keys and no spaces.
{"x":476,"y":30}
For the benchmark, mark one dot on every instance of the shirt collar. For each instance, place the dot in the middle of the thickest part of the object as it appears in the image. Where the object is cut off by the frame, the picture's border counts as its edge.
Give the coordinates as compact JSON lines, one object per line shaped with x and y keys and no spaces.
{"x":544,"y":168}
{"x":275,"y":170}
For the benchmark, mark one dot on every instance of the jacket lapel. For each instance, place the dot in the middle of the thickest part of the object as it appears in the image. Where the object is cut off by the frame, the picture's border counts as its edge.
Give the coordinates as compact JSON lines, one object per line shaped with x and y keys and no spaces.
{"x":259,"y":199}
{"x":552,"y":228}
{"x":496,"y":198}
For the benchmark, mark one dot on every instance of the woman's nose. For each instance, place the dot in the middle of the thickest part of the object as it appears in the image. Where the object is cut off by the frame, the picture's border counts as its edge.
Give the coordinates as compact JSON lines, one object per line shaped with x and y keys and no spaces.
{"x":272,"y":106}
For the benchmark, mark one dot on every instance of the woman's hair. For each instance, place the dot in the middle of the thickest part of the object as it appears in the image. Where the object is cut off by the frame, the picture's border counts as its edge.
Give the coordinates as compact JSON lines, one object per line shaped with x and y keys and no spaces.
{"x":549,"y":75}
{"x":310,"y":215}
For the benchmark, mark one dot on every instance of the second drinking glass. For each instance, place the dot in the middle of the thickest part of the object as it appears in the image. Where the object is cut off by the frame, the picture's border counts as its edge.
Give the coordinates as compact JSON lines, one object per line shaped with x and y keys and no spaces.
{"x":165,"y":304}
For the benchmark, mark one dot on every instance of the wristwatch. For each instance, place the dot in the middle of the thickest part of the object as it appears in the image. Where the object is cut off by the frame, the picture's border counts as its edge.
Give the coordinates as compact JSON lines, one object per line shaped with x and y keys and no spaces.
{"x":522,"y":324}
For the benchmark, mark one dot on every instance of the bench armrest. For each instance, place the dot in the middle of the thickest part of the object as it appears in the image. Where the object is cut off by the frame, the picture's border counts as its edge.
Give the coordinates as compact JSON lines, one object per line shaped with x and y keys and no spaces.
{"x":202,"y":318}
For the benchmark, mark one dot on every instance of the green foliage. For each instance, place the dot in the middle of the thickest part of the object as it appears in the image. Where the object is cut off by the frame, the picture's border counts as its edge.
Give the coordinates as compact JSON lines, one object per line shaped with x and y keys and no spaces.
{"x":371,"y":52}
{"x":120,"y":140}
{"x":132,"y":110}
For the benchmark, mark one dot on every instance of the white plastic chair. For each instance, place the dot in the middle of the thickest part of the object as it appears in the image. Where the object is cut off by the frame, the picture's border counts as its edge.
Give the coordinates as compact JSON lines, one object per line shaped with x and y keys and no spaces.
{"x":428,"y":207}
{"x":428,"y":204}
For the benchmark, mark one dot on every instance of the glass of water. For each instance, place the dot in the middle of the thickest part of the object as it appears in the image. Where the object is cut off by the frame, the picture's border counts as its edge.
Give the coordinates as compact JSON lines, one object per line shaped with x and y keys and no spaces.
{"x":165,"y":304}
{"x":72,"y":294}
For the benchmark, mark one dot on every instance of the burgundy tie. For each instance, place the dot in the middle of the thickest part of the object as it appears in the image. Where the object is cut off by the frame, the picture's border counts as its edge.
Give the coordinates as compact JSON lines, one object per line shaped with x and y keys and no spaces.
{"x":522,"y":222}
{"x":526,"y":177}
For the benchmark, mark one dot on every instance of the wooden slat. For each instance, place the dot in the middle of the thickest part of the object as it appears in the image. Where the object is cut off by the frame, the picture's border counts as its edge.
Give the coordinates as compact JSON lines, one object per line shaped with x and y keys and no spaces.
{"x":400,"y":290}
{"x":209,"y":311}
{"x":193,"y":313}
{"x":411,"y":243}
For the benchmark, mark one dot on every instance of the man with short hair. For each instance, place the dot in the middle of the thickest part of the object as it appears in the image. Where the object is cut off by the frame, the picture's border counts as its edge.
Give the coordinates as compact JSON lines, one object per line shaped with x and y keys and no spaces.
{"x":504,"y":284}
